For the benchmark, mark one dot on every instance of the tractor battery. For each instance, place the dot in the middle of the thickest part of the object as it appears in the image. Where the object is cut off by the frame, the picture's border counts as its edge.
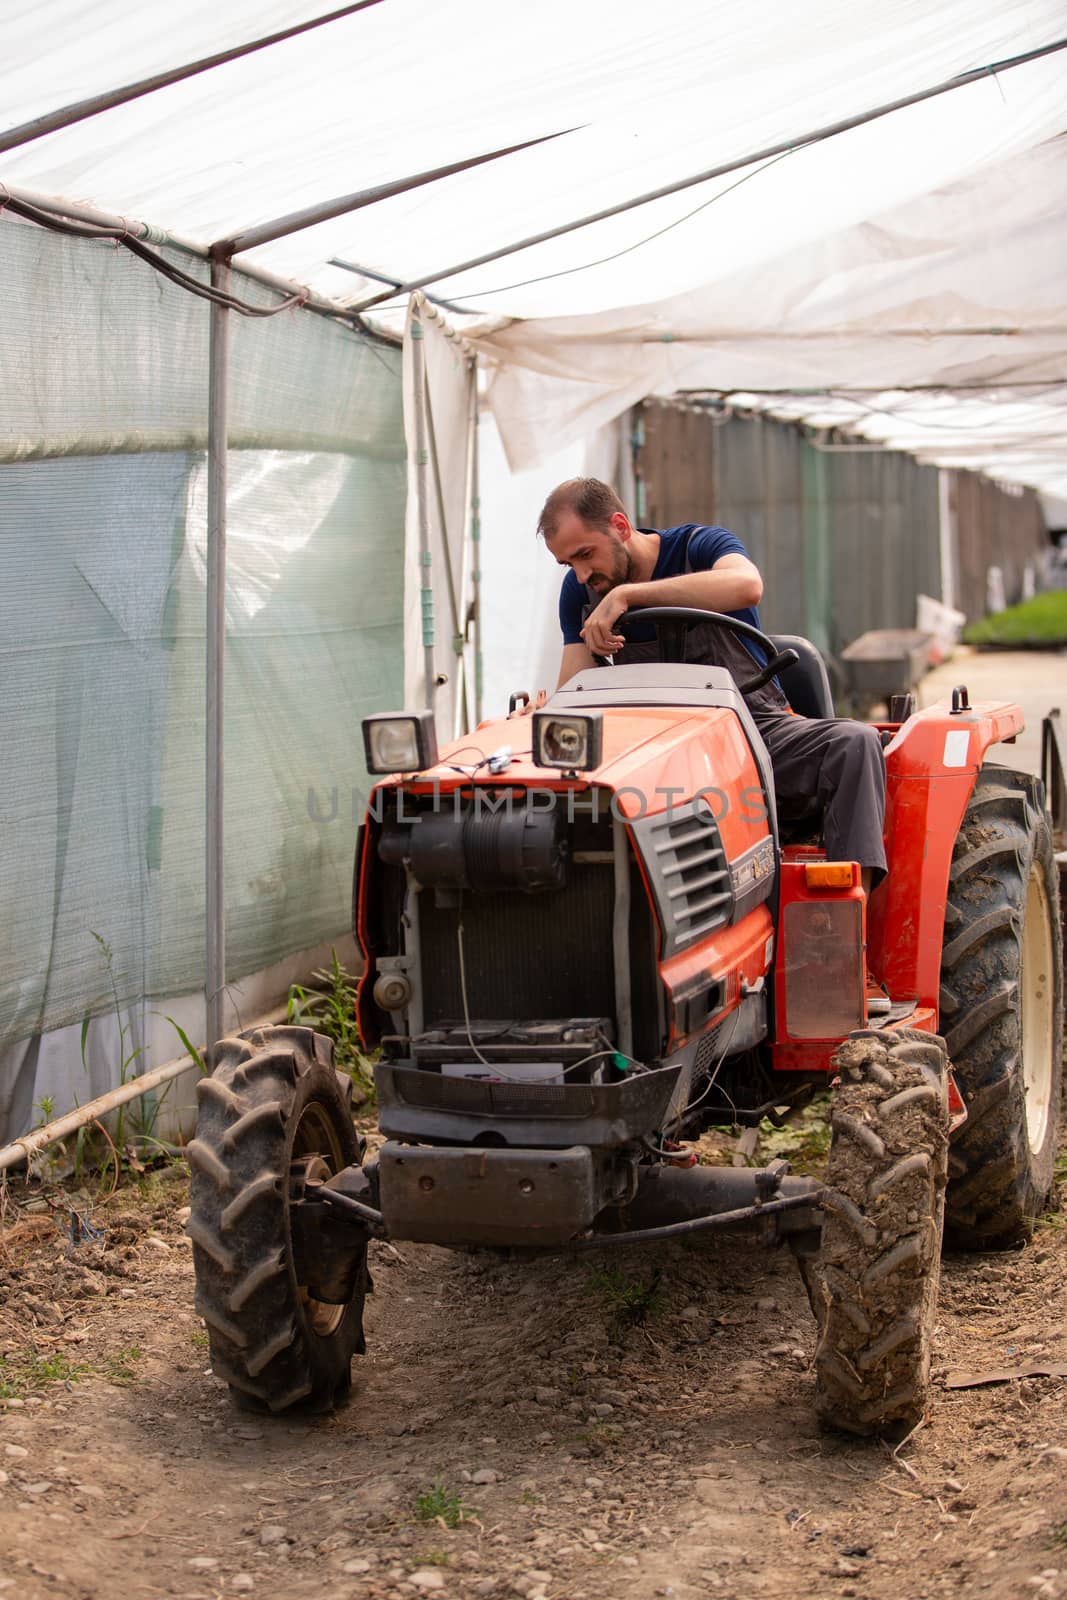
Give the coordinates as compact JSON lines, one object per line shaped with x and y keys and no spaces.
{"x":488,"y":1196}
{"x":506,"y":1071}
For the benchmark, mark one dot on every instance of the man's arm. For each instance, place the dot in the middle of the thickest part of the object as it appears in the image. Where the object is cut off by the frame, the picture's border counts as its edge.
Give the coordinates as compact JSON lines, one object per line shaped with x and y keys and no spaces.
{"x":576,"y":657}
{"x":730,"y":585}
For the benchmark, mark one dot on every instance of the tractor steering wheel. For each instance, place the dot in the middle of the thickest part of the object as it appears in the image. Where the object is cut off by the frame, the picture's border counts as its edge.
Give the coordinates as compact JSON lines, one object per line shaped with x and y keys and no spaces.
{"x":672,"y":623}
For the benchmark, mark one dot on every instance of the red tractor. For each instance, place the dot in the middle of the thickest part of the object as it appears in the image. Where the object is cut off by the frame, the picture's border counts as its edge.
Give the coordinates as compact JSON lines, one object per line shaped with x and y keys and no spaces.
{"x":581,"y":951}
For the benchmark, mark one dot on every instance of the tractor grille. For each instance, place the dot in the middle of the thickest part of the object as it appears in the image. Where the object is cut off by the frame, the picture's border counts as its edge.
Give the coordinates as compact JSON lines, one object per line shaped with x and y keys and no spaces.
{"x":689,"y":872}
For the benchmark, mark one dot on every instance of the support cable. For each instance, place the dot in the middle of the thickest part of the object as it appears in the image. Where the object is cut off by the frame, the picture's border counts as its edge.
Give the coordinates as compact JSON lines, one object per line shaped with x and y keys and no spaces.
{"x":129,"y":241}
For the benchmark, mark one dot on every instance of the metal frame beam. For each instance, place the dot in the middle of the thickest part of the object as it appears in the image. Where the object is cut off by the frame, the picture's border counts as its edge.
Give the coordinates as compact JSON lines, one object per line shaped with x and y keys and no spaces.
{"x":80,"y":110}
{"x":295,"y":221}
{"x":783,"y":147}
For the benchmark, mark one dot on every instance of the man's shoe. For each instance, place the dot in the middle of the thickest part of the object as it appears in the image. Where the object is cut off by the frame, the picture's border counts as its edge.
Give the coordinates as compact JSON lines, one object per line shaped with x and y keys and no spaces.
{"x":878,"y":1001}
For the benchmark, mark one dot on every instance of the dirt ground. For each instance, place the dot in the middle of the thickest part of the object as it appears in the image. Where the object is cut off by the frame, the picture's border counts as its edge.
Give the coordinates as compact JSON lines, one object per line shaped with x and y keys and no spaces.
{"x":581,"y":1453}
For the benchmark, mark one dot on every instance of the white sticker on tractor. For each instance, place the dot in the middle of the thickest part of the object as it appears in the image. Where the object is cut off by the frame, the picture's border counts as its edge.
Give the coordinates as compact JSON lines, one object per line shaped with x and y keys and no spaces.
{"x":957,"y":744}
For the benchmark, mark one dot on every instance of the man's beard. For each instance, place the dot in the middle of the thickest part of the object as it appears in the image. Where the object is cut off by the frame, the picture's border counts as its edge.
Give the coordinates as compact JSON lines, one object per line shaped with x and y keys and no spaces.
{"x":621,"y":567}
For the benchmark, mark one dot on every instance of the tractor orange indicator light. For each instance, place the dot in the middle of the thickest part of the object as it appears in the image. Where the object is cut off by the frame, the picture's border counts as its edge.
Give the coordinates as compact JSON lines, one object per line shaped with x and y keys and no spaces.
{"x":828,"y":874}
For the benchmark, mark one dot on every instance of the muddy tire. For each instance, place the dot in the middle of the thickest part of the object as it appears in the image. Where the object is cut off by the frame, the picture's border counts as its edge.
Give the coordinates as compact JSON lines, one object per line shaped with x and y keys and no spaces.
{"x":879,"y":1260}
{"x":272,"y":1098}
{"x":1002,"y":1011}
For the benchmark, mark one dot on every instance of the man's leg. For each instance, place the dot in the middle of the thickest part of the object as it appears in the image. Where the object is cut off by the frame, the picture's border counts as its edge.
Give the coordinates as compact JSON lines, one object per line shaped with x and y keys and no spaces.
{"x":840,"y":763}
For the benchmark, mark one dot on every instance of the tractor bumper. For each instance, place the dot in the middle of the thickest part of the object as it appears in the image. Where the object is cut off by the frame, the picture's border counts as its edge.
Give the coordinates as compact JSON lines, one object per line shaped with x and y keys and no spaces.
{"x":492,"y":1196}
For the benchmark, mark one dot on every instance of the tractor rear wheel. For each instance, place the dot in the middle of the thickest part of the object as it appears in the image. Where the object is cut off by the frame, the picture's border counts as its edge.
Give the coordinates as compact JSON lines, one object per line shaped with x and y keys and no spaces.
{"x":879,"y":1260}
{"x":272,"y":1105}
{"x":1002,"y":1010}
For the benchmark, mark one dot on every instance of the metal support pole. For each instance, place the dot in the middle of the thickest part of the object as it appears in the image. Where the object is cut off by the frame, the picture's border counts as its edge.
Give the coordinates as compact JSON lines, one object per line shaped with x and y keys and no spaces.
{"x":476,"y":547}
{"x":215,"y":900}
{"x":422,"y":499}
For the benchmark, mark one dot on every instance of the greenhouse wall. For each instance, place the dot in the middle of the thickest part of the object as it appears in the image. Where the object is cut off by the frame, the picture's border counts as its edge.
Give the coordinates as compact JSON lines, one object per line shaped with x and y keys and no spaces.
{"x":103,"y":416}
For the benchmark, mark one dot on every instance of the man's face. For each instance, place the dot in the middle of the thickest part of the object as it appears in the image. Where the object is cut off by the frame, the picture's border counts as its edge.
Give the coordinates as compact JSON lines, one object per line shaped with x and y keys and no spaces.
{"x":596,"y":556}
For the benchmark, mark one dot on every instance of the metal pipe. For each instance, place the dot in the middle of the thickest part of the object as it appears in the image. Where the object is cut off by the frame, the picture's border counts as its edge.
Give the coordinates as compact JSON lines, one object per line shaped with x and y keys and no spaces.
{"x":677,"y":1194}
{"x":215,"y":629}
{"x":620,"y":938}
{"x":79,"y":110}
{"x":721,"y":171}
{"x":422,"y":499}
{"x":476,"y":546}
{"x":311,"y":301}
{"x":442,"y":517}
{"x":382,"y":277}
{"x":19,"y":1150}
{"x":294,"y":221}
{"x":365,"y":1215}
{"x":719,"y":1219}
{"x":466,"y":643}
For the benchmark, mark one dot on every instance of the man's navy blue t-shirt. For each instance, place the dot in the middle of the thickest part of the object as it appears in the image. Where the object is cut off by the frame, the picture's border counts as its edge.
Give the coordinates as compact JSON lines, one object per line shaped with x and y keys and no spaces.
{"x":689,"y":548}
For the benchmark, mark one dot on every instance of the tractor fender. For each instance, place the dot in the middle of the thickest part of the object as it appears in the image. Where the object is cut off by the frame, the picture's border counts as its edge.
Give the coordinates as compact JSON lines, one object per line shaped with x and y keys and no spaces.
{"x":931,"y":767}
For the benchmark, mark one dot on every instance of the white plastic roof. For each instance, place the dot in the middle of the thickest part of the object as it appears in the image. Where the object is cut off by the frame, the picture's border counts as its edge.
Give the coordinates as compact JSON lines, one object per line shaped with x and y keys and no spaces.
{"x":878,"y":260}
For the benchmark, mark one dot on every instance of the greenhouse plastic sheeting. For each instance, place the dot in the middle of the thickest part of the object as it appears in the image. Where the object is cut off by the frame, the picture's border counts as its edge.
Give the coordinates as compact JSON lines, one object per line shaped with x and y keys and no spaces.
{"x":102,"y":545}
{"x":641,"y":97}
{"x":929,"y":293}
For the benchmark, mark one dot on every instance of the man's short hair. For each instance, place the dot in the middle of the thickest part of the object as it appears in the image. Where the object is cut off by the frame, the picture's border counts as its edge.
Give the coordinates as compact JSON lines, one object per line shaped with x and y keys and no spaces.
{"x":590,"y":499}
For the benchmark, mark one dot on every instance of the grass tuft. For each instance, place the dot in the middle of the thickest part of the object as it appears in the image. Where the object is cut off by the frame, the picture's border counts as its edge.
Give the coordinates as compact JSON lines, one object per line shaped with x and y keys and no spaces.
{"x":27,"y":1372}
{"x":630,"y":1299}
{"x":331,"y":1009}
{"x":439,"y":1503}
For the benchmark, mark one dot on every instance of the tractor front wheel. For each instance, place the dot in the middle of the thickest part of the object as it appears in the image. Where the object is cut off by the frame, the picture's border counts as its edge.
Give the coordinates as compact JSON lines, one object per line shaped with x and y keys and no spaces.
{"x":273,"y":1109}
{"x":1002,"y":1010}
{"x":874,"y":1286}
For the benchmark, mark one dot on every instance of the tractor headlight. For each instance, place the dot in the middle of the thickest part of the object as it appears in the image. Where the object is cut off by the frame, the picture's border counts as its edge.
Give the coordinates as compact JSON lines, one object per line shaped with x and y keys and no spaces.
{"x":571,"y":741}
{"x":400,"y":743}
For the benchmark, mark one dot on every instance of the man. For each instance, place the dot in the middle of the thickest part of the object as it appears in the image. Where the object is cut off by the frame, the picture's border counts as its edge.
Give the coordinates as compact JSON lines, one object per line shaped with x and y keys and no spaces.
{"x":615,"y":567}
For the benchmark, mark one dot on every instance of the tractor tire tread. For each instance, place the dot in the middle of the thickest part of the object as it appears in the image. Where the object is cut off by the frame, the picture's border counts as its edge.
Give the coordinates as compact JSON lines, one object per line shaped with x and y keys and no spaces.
{"x":997,"y":1183}
{"x":880,"y":1254}
{"x":264,"y":1343}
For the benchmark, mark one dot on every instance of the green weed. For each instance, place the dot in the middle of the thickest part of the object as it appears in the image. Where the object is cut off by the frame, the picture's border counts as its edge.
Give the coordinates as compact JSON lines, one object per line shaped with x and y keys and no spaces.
{"x":436,"y":1558}
{"x":804,"y":1141}
{"x":1058,"y":1538}
{"x":29,"y":1372}
{"x":439,"y":1503}
{"x":121,"y":1368}
{"x":631,"y":1300}
{"x":134,"y":1129}
{"x":331,"y":1009}
{"x":187,"y":1044}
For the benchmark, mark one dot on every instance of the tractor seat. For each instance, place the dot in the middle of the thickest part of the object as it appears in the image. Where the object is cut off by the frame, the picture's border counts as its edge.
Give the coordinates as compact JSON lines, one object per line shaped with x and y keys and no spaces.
{"x":805,"y":685}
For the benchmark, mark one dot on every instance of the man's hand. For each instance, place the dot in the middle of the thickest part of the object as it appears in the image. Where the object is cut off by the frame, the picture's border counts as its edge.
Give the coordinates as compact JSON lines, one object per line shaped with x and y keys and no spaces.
{"x":599,"y":630}
{"x":531,"y":705}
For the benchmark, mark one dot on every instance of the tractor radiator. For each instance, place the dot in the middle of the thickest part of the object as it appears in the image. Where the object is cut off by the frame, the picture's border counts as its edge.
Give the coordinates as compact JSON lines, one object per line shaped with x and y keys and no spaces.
{"x":527,"y":957}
